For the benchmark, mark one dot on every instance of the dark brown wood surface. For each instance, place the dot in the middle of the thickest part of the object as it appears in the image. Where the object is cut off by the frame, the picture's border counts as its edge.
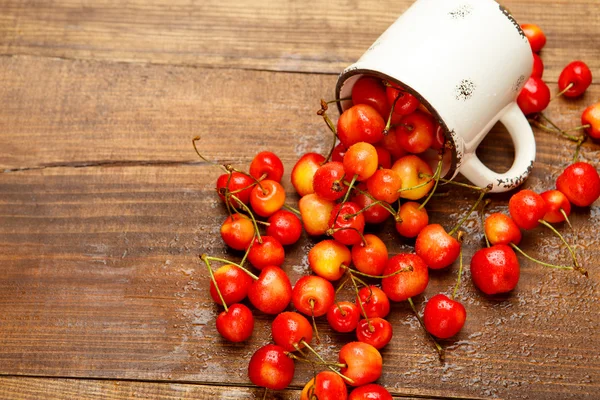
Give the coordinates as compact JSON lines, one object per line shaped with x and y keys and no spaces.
{"x":104,"y":206}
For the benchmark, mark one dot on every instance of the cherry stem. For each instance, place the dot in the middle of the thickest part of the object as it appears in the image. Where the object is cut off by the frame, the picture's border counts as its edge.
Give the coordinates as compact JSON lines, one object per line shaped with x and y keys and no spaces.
{"x":462,"y":221}
{"x":436,"y":178}
{"x":437,"y":345}
{"x":350,"y":186}
{"x":460,"y":264}
{"x":265,"y":394}
{"x":323,"y":112}
{"x":353,"y":271}
{"x":196,"y":139}
{"x":558,"y":129}
{"x":292,"y":209}
{"x":341,"y":285}
{"x":351,"y":381}
{"x":579,"y":143}
{"x":386,"y":130}
{"x":211,"y":258}
{"x":578,"y":128}
{"x":360,"y":303}
{"x":204,"y":258}
{"x":465,"y":185}
{"x":385,"y":205}
{"x":566,"y":217}
{"x":325,"y":363}
{"x":245,"y":207}
{"x":420,"y":185}
{"x":577,"y":267}
{"x":545,"y":264}
{"x":482,"y":214}
{"x":312,"y":314}
{"x":557,"y":95}
{"x":340,"y":100}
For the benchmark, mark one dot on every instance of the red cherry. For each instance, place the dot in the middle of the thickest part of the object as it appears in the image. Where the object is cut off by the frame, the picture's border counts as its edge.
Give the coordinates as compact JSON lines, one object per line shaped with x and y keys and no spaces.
{"x":266,"y":165}
{"x":361,"y":123}
{"x":370,"y":256}
{"x":495,"y":269}
{"x":402,"y":285}
{"x":580,"y":183}
{"x":347,"y":223}
{"x":591,"y":117}
{"x":416,"y":132}
{"x":284,"y":226}
{"x":439,"y":137}
{"x":379,"y":336}
{"x":538,"y":66}
{"x":534,"y":97}
{"x":555,"y":202}
{"x":272,"y":291}
{"x":270,"y":367}
{"x":372,"y":391}
{"x":233,"y":282}
{"x":327,"y":385}
{"x":313,"y":295}
{"x":269,"y":252}
{"x":406,"y":103}
{"x":374,"y":301}
{"x":237,"y":231}
{"x":361,"y":161}
{"x":413,"y":219}
{"x":535,"y":35}
{"x":236,"y":324}
{"x":391,"y":144}
{"x":527,"y":208}
{"x":304,"y":171}
{"x":328,"y":181}
{"x":363,"y":363}
{"x":289,"y":329}
{"x":384,"y":185}
{"x":374,"y":214}
{"x":338,"y":152}
{"x":443,"y":317}
{"x":501,"y":229}
{"x":370,"y":91}
{"x":384,"y":157}
{"x":238,"y":184}
{"x":436,"y":247}
{"x":267,"y":198}
{"x":577,"y":74}
{"x":343,"y":316}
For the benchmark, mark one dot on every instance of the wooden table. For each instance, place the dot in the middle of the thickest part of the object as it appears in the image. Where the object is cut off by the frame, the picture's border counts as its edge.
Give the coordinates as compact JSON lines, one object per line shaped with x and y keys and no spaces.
{"x":104,"y":206}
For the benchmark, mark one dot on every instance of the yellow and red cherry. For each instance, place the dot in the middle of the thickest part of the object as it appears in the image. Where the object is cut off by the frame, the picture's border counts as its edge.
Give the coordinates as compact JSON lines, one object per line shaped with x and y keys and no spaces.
{"x":527,"y":208}
{"x":237,"y":231}
{"x":236,"y":324}
{"x":265,"y":251}
{"x":436,"y":247}
{"x":374,"y":301}
{"x":444,"y":317}
{"x":290,"y":330}
{"x":236,"y":183}
{"x":272,"y":291}
{"x":270,"y":367}
{"x":361,"y":161}
{"x":373,"y":213}
{"x":313,"y":295}
{"x":538,"y":66}
{"x":371,"y":91}
{"x":416,"y":176}
{"x":267,"y":198}
{"x":580,"y":183}
{"x":416,"y":132}
{"x":363,"y":363}
{"x":384,"y":158}
{"x":370,"y":255}
{"x":284,"y":226}
{"x":266,"y":165}
{"x":534,"y":97}
{"x":413,"y":218}
{"x":304,"y":171}
{"x":410,"y":282}
{"x":233,"y":282}
{"x":360,"y":123}
{"x":329,"y":259}
{"x":391,"y":144}
{"x":590,"y":118}
{"x":343,"y":316}
{"x":327,"y":385}
{"x":501,"y":229}
{"x":376,"y":331}
{"x":328,"y":181}
{"x":406,"y":103}
{"x":347,"y":223}
{"x":384,"y":185}
{"x":315,"y":212}
{"x":574,"y":79}
{"x":535,"y":36}
{"x":495,"y":269}
{"x":558,"y":207}
{"x":372,"y":391}
{"x":338,"y":152}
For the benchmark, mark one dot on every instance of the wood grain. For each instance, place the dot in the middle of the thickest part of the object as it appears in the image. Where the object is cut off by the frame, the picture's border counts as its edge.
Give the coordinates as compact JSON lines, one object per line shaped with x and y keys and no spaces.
{"x":318,"y":36}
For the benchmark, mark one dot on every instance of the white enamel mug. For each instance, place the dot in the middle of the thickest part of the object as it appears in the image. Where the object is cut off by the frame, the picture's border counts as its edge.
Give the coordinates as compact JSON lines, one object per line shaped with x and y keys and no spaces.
{"x":466,"y":61}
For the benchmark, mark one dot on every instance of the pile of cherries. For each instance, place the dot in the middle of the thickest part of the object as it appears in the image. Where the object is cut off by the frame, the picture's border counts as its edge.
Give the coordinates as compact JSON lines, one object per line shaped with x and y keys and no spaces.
{"x":375,"y":172}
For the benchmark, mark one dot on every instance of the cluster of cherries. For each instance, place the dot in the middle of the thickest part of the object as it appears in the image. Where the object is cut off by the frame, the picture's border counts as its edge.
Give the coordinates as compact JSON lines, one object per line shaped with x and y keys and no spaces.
{"x":376,"y":171}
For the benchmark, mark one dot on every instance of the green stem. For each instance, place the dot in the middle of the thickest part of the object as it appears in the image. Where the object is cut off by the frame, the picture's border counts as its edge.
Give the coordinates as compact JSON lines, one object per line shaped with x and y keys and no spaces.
{"x":360,"y":303}
{"x":545,"y":264}
{"x":482,"y":214}
{"x":437,"y":345}
{"x":557,"y":95}
{"x":578,"y":268}
{"x":204,"y":258}
{"x":436,"y":178}
{"x":350,"y":186}
{"x":386,"y":130}
{"x":351,"y":381}
{"x":292,"y":209}
{"x":460,"y":269}
{"x":245,"y":207}
{"x":211,"y":258}
{"x":353,"y":271}
{"x":462,"y":221}
{"x":566,"y":217}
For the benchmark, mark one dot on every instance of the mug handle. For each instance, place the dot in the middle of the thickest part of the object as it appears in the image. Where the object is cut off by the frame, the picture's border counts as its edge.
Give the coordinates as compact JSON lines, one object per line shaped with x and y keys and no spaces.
{"x":524,"y":142}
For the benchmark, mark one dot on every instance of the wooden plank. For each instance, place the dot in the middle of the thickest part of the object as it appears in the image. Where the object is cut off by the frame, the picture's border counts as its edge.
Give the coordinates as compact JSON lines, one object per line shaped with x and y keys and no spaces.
{"x":322,"y":36}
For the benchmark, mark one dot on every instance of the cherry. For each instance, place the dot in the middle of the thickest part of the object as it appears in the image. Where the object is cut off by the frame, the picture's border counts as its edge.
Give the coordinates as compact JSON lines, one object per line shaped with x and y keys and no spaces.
{"x":580,"y":183}
{"x":406,"y":103}
{"x":495,"y":269}
{"x":370,"y":256}
{"x":233,"y":283}
{"x":413,"y":218}
{"x":265,"y":251}
{"x":326,"y":385}
{"x":558,"y":206}
{"x":290,"y":330}
{"x":237,"y":184}
{"x":439,"y":137}
{"x":347,"y":223}
{"x":315,"y":212}
{"x":501,"y":229}
{"x":360,"y":123}
{"x":338,"y":152}
{"x":415,"y":175}
{"x":284,"y":226}
{"x":375,"y":302}
{"x":343,"y":316}
{"x":372,"y":391}
{"x":409,"y":283}
{"x":360,"y":161}
{"x":384,"y":185}
{"x":527,"y":208}
{"x":416,"y":132}
{"x":237,"y":231}
{"x":538,"y":66}
{"x":436,"y":247}
{"x":444,"y":317}
{"x":534,"y":97}
{"x":391,"y":144}
{"x":370,"y":91}
{"x":304,"y":171}
{"x":270,"y":367}
{"x":329,"y":259}
{"x":535,"y":35}
{"x":328,"y":181}
{"x":363,"y":363}
{"x":591,"y":119}
{"x":236,"y":324}
{"x":266,"y":165}
{"x":373,"y":212}
{"x":574,"y":79}
{"x":313,"y":295}
{"x":267,"y":197}
{"x":376,"y":331}
{"x":272,"y":291}
{"x":384,"y":157}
